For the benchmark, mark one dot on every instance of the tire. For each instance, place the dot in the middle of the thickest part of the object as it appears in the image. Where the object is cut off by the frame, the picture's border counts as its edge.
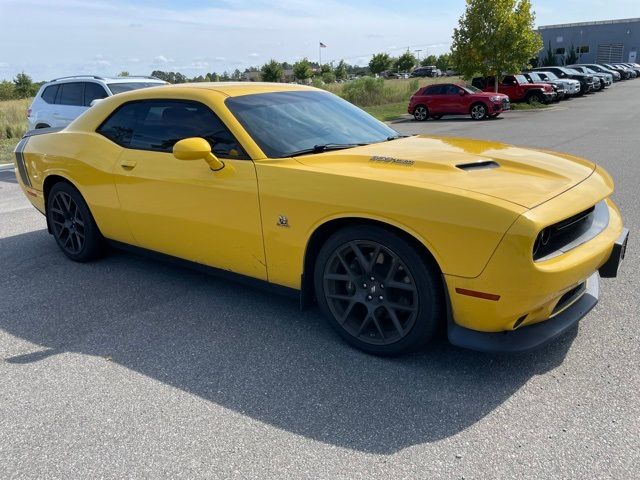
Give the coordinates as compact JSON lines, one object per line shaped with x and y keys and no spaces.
{"x":494,"y":115}
{"x":478,"y":111}
{"x":72,"y":224}
{"x":421,"y":113}
{"x":388,"y":306}
{"x":436,"y":117}
{"x":534,"y":97}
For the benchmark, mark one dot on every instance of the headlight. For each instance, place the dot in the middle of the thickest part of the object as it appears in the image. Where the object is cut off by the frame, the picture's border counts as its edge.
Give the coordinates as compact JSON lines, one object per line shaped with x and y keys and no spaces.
{"x":495,"y":99}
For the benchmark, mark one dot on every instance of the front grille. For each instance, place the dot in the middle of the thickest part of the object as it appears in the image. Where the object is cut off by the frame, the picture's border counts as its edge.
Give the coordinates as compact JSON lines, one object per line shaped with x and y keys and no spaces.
{"x":571,"y":232}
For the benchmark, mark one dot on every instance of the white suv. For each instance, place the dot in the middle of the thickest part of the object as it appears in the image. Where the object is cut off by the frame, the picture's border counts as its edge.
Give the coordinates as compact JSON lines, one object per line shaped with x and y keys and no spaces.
{"x":61,"y":101}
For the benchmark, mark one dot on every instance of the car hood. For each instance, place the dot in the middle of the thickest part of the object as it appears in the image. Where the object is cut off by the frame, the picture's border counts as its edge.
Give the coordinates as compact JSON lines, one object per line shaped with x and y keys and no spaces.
{"x":521,"y":176}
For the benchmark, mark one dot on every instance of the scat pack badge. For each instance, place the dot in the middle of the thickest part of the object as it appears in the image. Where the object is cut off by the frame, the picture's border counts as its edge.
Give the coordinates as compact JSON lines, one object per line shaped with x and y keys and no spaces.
{"x":394,"y":161}
{"x":283,"y":221}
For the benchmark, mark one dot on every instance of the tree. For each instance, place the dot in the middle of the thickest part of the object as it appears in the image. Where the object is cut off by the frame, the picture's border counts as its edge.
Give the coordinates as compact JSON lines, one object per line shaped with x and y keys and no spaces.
{"x":124,"y":73}
{"x":272,"y":71}
{"x":341,"y":71}
{"x":406,"y":62}
{"x":237,"y":74}
{"x":328,"y":77}
{"x":572,"y":56}
{"x":7,"y":90}
{"x":429,"y":60}
{"x":443,"y":62}
{"x":380,"y":62}
{"x":549,"y":59}
{"x":302,"y":69}
{"x":495,"y":37}
{"x":23,"y":86}
{"x":225,"y":77}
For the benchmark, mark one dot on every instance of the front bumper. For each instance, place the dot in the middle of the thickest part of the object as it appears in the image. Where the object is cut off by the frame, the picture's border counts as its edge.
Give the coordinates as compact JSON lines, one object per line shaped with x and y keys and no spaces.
{"x":531,"y":336}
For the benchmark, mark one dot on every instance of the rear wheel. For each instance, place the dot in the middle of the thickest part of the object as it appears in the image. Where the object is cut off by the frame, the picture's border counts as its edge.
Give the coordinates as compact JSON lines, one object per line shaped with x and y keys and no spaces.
{"x":377,"y":291}
{"x":478,"y":111}
{"x":421,"y":113}
{"x":72,"y":224}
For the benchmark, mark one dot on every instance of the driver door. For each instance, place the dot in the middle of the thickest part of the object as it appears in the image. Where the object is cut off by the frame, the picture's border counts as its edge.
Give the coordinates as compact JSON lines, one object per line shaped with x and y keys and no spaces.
{"x":183,"y":208}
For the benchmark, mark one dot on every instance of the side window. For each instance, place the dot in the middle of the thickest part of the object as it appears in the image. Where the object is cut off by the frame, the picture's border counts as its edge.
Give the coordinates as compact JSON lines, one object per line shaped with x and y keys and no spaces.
{"x":452,"y":90}
{"x":509,"y":80}
{"x":119,"y":126}
{"x":429,"y":91}
{"x":157,"y":125}
{"x":93,"y":91}
{"x":49,"y":94}
{"x":436,"y":90}
{"x":71,"y":94}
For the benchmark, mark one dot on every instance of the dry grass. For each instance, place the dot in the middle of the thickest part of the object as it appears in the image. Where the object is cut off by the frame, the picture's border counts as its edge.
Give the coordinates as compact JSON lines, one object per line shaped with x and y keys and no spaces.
{"x":13,"y":118}
{"x":13,"y":124}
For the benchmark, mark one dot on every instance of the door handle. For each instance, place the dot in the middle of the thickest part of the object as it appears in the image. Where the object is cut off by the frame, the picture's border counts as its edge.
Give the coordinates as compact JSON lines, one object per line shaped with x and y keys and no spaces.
{"x":128,"y":164}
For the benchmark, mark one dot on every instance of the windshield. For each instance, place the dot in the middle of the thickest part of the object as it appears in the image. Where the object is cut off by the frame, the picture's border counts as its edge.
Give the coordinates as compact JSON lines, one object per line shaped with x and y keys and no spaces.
{"x":551,"y":75}
{"x":535,"y":77}
{"x":283,"y":123}
{"x":471,"y":89}
{"x":571,"y":71}
{"x":521,"y":79}
{"x":128,"y":86}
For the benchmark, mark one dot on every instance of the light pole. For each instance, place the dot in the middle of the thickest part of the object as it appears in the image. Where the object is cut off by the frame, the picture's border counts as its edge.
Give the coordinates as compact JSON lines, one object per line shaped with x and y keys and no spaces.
{"x":418,"y":55}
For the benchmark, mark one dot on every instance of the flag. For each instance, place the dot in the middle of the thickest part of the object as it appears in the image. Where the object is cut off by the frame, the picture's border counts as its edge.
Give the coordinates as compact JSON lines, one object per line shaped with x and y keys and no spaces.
{"x":322,"y":45}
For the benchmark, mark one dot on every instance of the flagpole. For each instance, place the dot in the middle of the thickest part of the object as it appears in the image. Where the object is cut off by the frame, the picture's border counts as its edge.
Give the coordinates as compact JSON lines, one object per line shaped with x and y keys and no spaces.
{"x":320,"y":53}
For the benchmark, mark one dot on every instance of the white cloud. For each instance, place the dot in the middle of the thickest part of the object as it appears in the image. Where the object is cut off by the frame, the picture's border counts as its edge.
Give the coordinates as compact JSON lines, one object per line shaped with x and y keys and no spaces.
{"x":199,"y":64}
{"x":4,"y":65}
{"x":254,"y":55}
{"x":162,"y":59}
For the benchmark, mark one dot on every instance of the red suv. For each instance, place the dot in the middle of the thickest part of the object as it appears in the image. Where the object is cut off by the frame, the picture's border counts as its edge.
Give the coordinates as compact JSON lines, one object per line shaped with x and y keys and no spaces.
{"x":452,"y":99}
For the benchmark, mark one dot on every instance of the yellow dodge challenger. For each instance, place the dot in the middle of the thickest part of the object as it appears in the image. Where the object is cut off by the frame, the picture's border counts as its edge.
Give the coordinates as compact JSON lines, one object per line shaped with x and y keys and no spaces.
{"x":392,"y":236}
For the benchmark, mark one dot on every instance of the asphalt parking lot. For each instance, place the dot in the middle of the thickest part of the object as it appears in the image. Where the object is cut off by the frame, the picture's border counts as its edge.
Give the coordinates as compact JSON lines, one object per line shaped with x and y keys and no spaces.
{"x":129,"y":367}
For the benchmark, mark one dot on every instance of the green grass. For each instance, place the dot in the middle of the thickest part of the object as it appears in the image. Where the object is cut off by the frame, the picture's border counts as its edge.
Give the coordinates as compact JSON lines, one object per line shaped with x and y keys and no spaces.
{"x":529,"y":106}
{"x":389,"y":111}
{"x":6,"y":150}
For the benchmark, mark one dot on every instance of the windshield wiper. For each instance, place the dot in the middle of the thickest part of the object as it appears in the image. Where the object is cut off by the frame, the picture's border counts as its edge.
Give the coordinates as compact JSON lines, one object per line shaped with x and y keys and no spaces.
{"x":325,"y":148}
{"x":395,"y":137}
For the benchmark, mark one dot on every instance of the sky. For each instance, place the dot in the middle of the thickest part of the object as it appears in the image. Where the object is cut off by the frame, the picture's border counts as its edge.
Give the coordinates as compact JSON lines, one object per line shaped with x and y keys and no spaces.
{"x":46,"y":39}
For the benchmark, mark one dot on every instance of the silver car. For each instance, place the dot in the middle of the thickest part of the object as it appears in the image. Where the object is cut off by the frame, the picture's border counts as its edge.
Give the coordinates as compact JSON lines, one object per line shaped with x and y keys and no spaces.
{"x":571,"y":86}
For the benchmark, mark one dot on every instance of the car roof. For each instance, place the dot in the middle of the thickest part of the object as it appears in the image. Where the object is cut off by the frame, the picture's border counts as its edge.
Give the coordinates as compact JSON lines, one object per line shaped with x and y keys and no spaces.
{"x":130,"y":79}
{"x":235,"y":89}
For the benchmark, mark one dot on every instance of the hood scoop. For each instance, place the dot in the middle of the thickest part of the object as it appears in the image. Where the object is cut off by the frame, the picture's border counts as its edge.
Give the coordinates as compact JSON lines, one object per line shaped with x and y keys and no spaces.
{"x":486,"y":165}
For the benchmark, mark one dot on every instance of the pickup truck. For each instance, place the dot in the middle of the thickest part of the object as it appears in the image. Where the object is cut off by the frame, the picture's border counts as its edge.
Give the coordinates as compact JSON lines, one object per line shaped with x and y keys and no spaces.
{"x":518,"y":88}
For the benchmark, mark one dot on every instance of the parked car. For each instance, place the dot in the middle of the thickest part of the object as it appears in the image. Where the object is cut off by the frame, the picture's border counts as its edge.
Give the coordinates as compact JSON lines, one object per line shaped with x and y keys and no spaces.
{"x":441,"y":99}
{"x":572,"y":86}
{"x":517,"y":88}
{"x":395,"y":237}
{"x":588,"y":83}
{"x":606,"y":79}
{"x":601,"y":69}
{"x":634,"y":67}
{"x":428,"y":71}
{"x":61,"y":101}
{"x":624,"y":72}
{"x":558,"y":86}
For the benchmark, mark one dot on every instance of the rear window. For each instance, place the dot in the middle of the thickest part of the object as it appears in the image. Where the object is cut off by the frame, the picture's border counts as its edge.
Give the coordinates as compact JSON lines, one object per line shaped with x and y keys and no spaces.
{"x":128,"y":86}
{"x":71,"y":94}
{"x":49,"y":94}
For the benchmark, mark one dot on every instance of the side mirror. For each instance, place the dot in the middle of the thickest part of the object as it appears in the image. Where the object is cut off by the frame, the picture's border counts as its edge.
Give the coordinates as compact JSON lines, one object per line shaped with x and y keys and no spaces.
{"x":196,"y":148}
{"x":462,"y":93}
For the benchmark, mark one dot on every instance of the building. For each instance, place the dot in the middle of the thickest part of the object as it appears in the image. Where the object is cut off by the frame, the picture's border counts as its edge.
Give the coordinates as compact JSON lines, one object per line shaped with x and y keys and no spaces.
{"x":609,"y":41}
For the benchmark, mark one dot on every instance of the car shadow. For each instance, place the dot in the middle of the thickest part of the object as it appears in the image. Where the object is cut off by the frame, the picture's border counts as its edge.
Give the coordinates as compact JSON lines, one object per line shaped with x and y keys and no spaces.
{"x":248,"y":351}
{"x":8,"y":176}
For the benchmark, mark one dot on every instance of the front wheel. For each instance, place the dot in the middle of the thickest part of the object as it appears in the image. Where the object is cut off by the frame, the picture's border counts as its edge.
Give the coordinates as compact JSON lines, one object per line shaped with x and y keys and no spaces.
{"x":478,"y":111}
{"x":378,"y":292}
{"x":421,"y":113}
{"x":72,"y":224}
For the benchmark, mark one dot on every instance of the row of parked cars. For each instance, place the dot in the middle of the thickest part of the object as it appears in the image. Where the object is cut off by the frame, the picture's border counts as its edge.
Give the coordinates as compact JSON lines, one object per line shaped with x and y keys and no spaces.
{"x":540,"y":85}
